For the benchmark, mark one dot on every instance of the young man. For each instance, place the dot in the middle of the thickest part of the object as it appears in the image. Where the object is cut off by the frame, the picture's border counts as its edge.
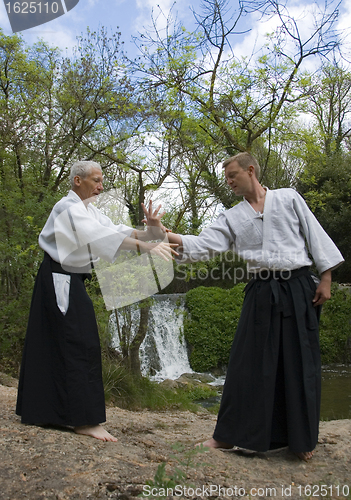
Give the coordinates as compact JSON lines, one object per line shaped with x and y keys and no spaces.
{"x":271,"y":396}
{"x":61,"y":380}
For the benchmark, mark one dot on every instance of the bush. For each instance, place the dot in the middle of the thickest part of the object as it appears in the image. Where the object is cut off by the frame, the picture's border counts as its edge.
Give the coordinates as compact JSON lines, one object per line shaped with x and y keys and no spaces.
{"x":14,"y":318}
{"x":213,"y":316}
{"x":210,"y":326}
{"x":125,"y":390}
{"x":335,"y":327}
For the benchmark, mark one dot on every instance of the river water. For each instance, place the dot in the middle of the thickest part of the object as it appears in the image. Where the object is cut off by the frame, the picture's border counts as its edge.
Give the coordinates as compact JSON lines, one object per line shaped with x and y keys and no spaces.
{"x":163,"y":354}
{"x":336,"y":392}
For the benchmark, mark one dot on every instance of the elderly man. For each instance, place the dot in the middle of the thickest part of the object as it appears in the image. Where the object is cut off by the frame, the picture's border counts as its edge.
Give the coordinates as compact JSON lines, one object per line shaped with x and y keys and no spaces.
{"x":61,"y":380}
{"x":271,"y":396}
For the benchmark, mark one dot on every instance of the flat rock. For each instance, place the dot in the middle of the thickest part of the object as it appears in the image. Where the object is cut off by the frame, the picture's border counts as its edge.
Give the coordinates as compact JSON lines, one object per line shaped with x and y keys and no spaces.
{"x":48,"y":463}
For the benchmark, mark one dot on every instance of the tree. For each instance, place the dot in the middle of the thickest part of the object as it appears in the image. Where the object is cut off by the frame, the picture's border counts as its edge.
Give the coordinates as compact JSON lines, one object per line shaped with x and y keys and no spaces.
{"x":131,"y":337}
{"x":239,"y":103}
{"x":326,"y":177}
{"x":330,"y":106}
{"x":53,"y":111}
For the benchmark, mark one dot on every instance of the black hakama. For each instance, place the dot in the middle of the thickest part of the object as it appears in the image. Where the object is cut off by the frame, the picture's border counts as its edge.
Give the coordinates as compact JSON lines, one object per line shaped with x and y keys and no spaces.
{"x":272,"y":392}
{"x":61,"y":378}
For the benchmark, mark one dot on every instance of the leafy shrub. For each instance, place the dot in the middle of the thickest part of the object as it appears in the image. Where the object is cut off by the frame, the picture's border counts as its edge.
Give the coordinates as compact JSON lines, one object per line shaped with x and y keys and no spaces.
{"x":335,"y":327}
{"x":125,"y":390}
{"x":213,"y":316}
{"x":200,"y":392}
{"x":210,"y":326}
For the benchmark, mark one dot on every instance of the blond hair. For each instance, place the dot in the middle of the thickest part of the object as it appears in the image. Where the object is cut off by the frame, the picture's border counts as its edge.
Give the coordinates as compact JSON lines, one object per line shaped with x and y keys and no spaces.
{"x":244,"y":160}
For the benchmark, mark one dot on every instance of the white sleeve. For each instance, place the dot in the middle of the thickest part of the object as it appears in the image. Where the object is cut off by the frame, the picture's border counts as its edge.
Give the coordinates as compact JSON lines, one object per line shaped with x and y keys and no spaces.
{"x":213,"y":240}
{"x":76,"y":228}
{"x":325,"y":253}
{"x":106,"y":222}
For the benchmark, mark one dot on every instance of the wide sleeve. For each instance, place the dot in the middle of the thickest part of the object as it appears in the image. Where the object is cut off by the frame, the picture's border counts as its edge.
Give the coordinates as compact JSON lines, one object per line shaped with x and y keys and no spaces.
{"x":213,"y":240}
{"x":106,"y":222}
{"x":325,"y":253}
{"x":79,"y":232}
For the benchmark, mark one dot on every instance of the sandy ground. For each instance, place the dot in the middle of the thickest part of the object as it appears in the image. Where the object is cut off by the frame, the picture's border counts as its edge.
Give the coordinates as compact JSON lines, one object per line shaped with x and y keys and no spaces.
{"x":47,"y":463}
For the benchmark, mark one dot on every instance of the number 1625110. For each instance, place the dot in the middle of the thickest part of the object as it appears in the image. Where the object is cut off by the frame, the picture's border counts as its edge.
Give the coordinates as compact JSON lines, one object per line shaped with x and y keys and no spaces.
{"x":32,"y":8}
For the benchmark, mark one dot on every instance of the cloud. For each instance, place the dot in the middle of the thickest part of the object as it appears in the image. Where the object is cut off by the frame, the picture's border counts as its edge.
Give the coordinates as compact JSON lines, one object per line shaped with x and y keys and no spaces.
{"x":303,"y":13}
{"x":55,"y":34}
{"x":160,"y":9}
{"x":63,"y":31}
{"x":344,"y":25}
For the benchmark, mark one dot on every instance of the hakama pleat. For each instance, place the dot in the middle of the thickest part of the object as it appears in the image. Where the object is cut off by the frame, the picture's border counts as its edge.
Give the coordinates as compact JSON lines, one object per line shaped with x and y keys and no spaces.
{"x":271,"y":396}
{"x":61,"y":378}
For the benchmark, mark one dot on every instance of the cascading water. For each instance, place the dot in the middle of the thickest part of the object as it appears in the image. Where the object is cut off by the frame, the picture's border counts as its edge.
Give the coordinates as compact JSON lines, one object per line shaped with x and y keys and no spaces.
{"x":163,"y":353}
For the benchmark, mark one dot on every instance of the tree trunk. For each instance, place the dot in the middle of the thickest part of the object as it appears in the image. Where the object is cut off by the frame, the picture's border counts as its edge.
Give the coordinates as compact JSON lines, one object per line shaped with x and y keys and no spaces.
{"x":138,"y":339}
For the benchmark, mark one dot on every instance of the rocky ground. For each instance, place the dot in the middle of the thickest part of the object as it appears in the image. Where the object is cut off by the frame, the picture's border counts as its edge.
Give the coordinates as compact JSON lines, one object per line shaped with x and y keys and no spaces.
{"x":48,"y":463}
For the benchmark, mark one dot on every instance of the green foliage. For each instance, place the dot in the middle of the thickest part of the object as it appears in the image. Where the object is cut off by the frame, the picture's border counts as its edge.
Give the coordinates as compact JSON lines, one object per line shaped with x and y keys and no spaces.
{"x":164,"y":481}
{"x":54,"y":111}
{"x":125,"y":390}
{"x":58,"y":109}
{"x":326,"y":184}
{"x":200,"y":392}
{"x":102,"y":315}
{"x":335,"y":327}
{"x":210,"y":326}
{"x":185,"y":458}
{"x":214,"y":313}
{"x":224,"y":271}
{"x":325,"y":180}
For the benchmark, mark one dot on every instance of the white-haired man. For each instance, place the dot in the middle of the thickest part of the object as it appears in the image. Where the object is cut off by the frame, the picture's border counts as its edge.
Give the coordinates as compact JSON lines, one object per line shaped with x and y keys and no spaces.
{"x":271,"y":396}
{"x":60,"y":379}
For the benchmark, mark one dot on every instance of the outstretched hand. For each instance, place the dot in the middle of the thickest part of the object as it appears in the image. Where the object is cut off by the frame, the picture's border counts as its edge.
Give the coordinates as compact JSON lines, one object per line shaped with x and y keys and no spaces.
{"x":153,"y":217}
{"x":164,"y":250}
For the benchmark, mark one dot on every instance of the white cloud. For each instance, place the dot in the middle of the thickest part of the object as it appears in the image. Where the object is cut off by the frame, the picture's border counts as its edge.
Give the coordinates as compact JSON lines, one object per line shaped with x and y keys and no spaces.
{"x":56,"y":34}
{"x":344,"y":25}
{"x":303,"y":13}
{"x":160,"y":10}
{"x":61,"y":32}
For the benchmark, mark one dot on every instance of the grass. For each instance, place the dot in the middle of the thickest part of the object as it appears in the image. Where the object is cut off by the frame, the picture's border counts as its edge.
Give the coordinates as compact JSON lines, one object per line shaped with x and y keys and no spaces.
{"x":132,"y":393}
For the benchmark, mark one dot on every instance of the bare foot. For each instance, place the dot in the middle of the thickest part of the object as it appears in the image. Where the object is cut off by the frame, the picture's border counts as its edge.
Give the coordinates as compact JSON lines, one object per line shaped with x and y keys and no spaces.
{"x":212,"y":443}
{"x":95,"y":431}
{"x":304,"y":455}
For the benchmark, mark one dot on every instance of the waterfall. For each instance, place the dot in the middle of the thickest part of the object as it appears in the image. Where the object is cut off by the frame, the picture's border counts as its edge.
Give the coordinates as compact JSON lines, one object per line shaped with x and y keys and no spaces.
{"x":163,"y":353}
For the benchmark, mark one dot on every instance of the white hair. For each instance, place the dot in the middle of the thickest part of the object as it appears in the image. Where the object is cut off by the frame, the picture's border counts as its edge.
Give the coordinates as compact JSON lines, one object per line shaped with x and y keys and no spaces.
{"x":83,"y":169}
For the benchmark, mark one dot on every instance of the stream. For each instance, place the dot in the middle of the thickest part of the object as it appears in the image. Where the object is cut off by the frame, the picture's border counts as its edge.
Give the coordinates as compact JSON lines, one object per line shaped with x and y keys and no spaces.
{"x":163,"y":355}
{"x":336,"y":392}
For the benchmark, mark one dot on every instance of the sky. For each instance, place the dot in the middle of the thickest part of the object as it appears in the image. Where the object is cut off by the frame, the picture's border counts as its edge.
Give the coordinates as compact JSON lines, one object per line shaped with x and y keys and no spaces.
{"x":126,"y":16}
{"x":131,"y":17}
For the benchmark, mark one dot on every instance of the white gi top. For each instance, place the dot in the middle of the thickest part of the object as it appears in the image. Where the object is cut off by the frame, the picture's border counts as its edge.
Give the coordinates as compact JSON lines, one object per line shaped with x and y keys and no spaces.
{"x":273,"y":240}
{"x":71,"y":226}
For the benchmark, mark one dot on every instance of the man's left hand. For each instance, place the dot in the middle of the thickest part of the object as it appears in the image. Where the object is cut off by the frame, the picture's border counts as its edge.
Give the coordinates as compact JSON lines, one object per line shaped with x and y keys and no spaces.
{"x":323,"y":292}
{"x":153,"y":219}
